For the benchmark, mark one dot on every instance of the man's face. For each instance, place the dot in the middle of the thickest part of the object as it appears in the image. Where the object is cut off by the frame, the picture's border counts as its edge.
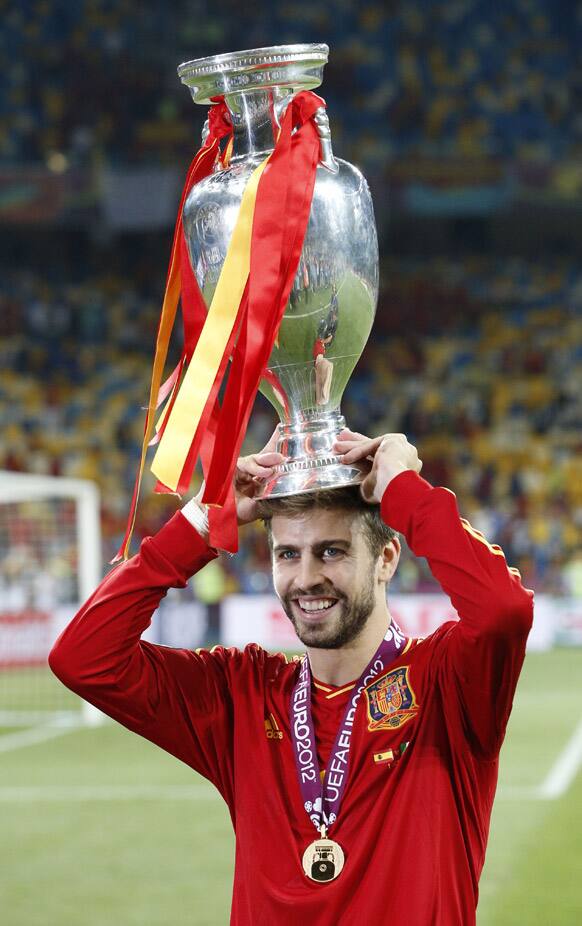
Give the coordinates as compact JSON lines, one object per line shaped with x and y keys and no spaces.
{"x":325,"y":576}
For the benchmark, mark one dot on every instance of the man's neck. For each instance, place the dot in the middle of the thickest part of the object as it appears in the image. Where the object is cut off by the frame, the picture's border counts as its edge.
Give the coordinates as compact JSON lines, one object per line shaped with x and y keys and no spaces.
{"x":340,"y":666}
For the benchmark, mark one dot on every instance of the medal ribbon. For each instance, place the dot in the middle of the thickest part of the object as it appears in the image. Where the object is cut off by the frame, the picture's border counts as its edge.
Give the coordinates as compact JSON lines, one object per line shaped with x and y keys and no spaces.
{"x":322,"y":799}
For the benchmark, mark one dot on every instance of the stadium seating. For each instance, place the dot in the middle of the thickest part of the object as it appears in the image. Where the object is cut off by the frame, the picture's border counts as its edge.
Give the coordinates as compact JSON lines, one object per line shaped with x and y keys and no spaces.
{"x":486,"y":382}
{"x":463,"y":78}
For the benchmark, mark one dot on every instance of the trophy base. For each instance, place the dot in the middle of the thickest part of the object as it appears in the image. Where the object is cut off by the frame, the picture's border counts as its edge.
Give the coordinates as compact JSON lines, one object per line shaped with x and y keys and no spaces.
{"x":313,"y":475}
{"x":311,"y":465}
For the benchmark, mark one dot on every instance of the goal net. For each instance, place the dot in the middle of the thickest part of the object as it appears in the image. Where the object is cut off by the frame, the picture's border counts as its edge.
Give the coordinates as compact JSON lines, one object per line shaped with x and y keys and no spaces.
{"x":50,"y":562}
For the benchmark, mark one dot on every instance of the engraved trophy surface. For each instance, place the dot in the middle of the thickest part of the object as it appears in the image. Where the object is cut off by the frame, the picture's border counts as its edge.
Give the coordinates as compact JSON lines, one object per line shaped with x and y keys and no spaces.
{"x":332,"y":303}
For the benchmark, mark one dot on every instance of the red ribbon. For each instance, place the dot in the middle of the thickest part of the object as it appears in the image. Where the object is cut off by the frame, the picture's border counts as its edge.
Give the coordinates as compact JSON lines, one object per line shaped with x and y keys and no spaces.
{"x":193,"y":306}
{"x":277,"y":241}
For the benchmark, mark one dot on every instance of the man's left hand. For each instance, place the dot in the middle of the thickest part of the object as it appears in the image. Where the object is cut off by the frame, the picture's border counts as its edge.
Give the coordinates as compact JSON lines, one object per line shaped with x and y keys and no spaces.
{"x":391,"y":454}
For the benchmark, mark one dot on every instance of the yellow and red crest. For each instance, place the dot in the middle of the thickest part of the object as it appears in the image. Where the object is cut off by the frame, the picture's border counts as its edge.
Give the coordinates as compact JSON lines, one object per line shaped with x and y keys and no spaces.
{"x":391,"y":700}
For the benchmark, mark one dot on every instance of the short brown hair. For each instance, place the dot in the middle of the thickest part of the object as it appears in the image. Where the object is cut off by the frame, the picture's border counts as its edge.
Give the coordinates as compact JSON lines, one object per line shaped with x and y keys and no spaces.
{"x":348,"y":498}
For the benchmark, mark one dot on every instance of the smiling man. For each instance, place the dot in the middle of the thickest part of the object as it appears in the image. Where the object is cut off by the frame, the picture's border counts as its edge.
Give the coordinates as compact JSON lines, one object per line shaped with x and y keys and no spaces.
{"x":371,"y":804}
{"x":332,"y":559}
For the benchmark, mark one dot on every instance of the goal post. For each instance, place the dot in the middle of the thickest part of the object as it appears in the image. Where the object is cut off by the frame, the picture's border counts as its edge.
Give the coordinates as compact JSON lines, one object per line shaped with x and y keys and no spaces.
{"x":50,"y":562}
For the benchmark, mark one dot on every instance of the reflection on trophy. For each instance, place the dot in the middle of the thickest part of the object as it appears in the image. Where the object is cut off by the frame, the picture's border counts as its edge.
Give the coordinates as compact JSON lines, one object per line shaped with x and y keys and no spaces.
{"x":332,"y":302}
{"x":323,"y":366}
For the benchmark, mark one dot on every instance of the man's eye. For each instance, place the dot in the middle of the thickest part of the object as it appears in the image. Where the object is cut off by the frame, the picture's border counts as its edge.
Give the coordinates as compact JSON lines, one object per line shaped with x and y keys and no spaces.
{"x":332,"y":552}
{"x":287,"y":554}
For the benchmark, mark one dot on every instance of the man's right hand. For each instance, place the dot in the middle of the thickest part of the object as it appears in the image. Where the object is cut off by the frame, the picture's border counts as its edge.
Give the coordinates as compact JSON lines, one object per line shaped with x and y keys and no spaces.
{"x":250,"y":473}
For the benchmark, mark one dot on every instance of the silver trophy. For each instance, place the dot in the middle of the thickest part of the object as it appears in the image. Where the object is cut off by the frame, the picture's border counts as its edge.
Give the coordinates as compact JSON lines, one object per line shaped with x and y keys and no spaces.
{"x":332,"y":304}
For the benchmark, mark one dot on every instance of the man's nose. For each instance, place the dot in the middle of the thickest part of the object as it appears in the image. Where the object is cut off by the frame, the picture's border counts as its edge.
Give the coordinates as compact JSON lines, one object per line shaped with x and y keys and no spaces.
{"x":310,"y":572}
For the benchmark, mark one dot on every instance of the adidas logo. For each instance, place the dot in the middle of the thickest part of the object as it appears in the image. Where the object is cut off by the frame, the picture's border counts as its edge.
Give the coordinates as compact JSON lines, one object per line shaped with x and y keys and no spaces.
{"x":271,"y":729}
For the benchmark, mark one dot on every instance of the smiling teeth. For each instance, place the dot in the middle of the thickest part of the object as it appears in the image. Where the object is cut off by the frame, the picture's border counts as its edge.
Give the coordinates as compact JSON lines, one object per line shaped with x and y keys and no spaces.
{"x":320,"y":605}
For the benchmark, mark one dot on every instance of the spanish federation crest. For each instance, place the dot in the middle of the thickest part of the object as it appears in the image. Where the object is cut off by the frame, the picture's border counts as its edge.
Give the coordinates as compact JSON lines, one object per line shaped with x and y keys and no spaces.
{"x":391,"y":701}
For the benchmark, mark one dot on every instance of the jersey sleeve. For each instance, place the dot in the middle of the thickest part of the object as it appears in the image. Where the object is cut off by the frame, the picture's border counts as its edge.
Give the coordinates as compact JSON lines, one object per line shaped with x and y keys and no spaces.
{"x":176,"y":698}
{"x":483,"y":652}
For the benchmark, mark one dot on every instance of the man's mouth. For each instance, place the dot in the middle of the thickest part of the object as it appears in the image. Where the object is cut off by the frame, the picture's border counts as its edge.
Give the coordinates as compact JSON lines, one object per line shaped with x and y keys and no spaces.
{"x":314,"y":608}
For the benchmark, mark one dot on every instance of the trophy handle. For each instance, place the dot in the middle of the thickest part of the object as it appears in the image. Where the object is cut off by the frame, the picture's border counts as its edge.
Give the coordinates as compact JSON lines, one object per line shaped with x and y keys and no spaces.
{"x":205,"y":131}
{"x":321,"y":120}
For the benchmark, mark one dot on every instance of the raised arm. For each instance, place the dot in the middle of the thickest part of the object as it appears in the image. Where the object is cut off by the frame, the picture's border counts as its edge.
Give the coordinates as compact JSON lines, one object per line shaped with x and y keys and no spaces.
{"x":176,"y":698}
{"x":484,"y":652}
{"x":155,"y":691}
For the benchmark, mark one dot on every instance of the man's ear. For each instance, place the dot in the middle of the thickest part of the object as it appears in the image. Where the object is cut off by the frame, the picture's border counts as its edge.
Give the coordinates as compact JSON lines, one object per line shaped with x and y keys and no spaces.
{"x":389,"y":558}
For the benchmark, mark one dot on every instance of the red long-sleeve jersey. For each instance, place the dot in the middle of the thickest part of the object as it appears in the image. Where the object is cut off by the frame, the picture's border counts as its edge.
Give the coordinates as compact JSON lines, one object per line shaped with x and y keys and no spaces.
{"x":423,"y":767}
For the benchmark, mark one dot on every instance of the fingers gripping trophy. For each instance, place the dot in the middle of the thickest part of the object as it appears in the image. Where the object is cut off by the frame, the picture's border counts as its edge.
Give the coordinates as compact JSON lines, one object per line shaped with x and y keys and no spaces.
{"x":279,"y":255}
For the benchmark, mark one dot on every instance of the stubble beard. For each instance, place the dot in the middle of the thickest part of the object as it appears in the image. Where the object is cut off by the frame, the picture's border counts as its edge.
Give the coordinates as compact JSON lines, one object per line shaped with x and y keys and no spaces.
{"x":353,"y":617}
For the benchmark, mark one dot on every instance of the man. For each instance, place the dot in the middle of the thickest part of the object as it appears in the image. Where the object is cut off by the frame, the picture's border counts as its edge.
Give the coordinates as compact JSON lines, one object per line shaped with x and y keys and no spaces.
{"x":323,"y":367}
{"x":369,"y":802}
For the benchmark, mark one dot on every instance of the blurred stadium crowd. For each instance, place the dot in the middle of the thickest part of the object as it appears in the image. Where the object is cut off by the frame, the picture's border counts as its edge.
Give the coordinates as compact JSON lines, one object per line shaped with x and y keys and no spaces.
{"x":463,"y":77}
{"x":478,"y":361}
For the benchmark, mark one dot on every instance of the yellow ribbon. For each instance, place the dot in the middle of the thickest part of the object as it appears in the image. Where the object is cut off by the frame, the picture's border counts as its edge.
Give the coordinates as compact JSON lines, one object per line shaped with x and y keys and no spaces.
{"x":184,"y":418}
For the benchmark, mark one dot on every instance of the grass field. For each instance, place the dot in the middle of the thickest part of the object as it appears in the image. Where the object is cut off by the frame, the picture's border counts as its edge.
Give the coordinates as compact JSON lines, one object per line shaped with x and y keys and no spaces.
{"x":99,"y":828}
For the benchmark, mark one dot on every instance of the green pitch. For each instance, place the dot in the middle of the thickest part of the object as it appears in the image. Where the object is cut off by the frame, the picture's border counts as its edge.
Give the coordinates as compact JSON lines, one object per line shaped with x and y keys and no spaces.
{"x":99,"y":827}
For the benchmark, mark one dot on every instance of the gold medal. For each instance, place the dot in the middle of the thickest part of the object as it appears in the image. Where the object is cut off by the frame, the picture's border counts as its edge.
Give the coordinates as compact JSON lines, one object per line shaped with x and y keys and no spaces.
{"x":323,"y":859}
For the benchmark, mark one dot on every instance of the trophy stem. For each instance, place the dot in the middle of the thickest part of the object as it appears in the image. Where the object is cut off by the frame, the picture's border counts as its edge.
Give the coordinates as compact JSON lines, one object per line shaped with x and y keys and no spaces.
{"x":253,"y":120}
{"x":312,"y":463}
